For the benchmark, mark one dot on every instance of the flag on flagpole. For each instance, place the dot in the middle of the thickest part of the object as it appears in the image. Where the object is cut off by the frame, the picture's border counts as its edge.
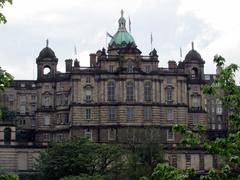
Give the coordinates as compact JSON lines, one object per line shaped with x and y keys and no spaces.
{"x":151,"y":39}
{"x":109,"y":35}
{"x":75,"y":50}
{"x":129,"y":21}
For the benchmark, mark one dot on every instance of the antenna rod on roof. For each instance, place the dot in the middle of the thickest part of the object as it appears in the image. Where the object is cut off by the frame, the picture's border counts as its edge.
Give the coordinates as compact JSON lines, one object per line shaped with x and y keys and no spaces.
{"x":180,"y":53}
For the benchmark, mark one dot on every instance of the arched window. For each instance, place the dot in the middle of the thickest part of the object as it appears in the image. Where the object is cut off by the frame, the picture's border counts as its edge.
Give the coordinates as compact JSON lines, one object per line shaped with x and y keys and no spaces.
{"x":7,"y":136}
{"x":46,"y":70}
{"x":148,"y":91}
{"x":130,"y":91}
{"x":111,"y":91}
{"x":194,"y":73}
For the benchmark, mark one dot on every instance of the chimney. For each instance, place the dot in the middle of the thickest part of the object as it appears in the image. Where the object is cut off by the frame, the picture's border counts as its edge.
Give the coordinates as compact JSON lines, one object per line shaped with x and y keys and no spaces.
{"x":92,"y":60}
{"x":68,"y":63}
{"x":172,"y":65}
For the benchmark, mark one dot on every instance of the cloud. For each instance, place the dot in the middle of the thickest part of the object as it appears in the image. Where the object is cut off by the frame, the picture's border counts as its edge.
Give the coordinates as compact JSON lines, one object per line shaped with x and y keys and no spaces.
{"x":212,"y":25}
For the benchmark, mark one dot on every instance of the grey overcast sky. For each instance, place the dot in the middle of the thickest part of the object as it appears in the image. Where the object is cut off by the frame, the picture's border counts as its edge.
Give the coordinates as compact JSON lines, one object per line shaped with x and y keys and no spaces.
{"x":213,"y":25}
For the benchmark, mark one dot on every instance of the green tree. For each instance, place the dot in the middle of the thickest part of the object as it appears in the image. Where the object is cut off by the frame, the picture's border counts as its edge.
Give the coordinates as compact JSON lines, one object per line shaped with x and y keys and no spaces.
{"x":2,"y":4}
{"x":5,"y":78}
{"x":166,"y":172}
{"x":77,"y":156}
{"x":83,"y":177}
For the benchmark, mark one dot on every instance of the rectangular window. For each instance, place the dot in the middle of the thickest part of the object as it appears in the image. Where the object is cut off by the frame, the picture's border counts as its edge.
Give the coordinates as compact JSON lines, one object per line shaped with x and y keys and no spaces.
{"x":88,"y":114}
{"x":213,"y":106}
{"x":88,"y":94}
{"x":46,"y":120}
{"x":111,"y":68}
{"x":195,"y":101}
{"x":219,"y":107}
{"x":22,"y":109}
{"x":206,"y":105}
{"x":207,"y":77}
{"x":112,"y":113}
{"x":170,"y":135}
{"x":22,"y":85}
{"x":147,"y":69}
{"x":33,"y":97}
{"x":33,"y":108}
{"x":169,"y":94}
{"x":148,"y":91}
{"x":213,"y":126}
{"x":169,"y":81}
{"x":11,"y":98}
{"x":130,"y":113}
{"x":88,"y":80}
{"x":23,"y":99}
{"x":188,"y":160}
{"x":147,"y":113}
{"x":111,"y":134}
{"x":170,"y":115}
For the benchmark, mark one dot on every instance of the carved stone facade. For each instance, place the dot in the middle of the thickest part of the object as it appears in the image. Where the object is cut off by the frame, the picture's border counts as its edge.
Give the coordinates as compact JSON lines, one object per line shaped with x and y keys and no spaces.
{"x":123,"y":97}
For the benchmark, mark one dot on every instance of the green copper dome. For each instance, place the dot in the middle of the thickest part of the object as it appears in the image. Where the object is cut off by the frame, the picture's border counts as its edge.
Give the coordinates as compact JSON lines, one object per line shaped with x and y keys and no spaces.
{"x":122,"y":36}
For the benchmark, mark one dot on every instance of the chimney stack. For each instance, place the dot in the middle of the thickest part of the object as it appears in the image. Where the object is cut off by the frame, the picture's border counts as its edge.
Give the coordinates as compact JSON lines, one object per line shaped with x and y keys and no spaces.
{"x":92,"y":60}
{"x":68,"y":63}
{"x":172,"y":65}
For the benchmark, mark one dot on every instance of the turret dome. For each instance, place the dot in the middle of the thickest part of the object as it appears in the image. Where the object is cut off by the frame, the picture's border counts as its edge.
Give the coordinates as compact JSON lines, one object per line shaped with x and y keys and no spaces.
{"x":122,"y":37}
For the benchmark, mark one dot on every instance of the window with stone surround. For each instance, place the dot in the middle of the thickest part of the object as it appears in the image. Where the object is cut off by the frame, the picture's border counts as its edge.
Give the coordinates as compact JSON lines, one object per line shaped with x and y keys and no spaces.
{"x":88,"y":93}
{"x":147,"y":113}
{"x":88,"y":114}
{"x":170,"y":114}
{"x":147,"y":91}
{"x":130,"y":113}
{"x":112,"y":113}
{"x":130,"y":91}
{"x":111,"y":91}
{"x":169,"y":94}
{"x":170,"y":134}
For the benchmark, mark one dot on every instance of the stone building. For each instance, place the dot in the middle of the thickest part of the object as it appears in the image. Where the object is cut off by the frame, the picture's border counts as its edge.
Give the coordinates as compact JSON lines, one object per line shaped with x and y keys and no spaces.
{"x":123,"y":97}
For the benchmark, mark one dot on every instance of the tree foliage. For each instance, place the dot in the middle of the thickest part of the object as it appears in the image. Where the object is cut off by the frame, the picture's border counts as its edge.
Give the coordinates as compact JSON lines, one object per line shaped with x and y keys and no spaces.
{"x":2,"y":4}
{"x":83,"y":177}
{"x":9,"y":176}
{"x":77,"y":157}
{"x":5,"y":77}
{"x":166,"y":172}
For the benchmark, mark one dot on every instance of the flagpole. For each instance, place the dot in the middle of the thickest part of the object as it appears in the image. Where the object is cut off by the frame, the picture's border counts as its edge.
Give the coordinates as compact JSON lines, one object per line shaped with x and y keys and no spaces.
{"x":106,"y":40}
{"x":151,"y":39}
{"x":180,"y":53}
